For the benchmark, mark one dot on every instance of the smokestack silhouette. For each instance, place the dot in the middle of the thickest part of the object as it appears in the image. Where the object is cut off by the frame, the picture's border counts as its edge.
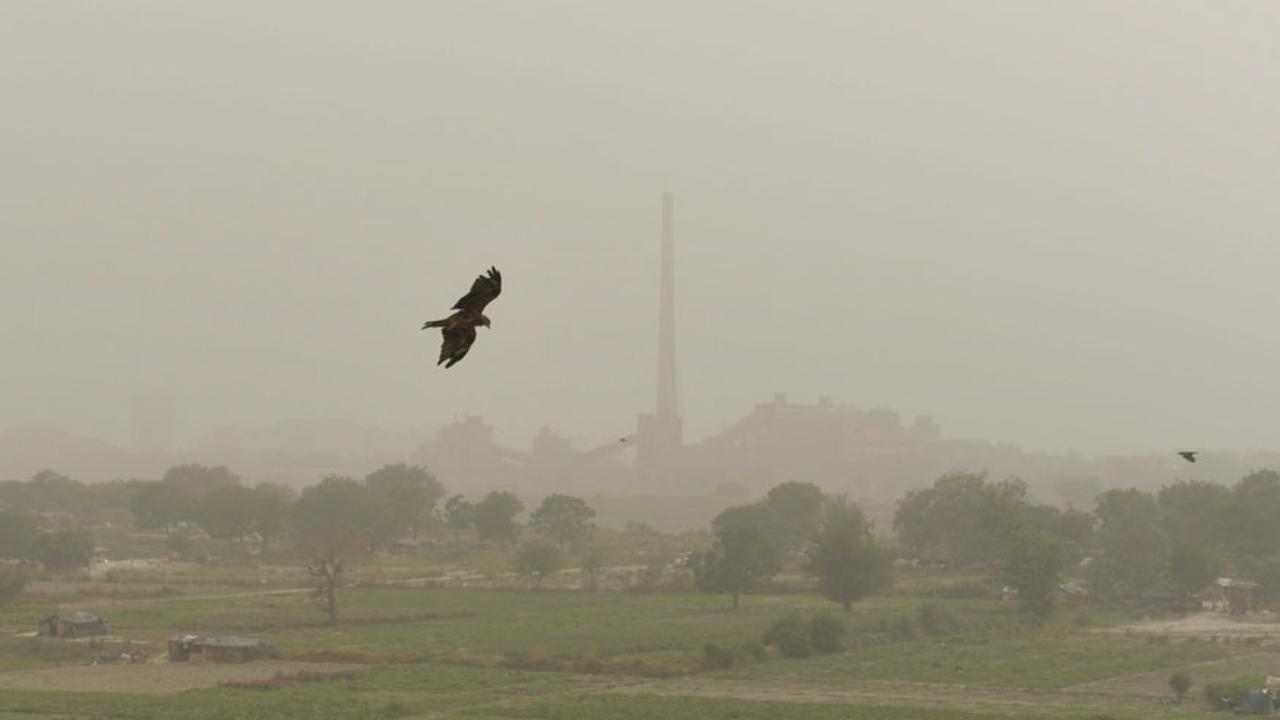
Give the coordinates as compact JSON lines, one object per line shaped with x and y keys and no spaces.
{"x":668,"y":410}
{"x":660,"y":436}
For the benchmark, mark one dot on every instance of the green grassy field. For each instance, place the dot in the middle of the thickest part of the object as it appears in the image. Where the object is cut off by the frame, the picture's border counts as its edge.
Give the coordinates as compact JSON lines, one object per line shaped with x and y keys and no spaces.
{"x":471,"y":653}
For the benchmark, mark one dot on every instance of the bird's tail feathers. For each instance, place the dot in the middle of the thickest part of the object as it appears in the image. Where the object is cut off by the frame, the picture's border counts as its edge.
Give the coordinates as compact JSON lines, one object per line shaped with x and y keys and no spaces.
{"x":434,"y":323}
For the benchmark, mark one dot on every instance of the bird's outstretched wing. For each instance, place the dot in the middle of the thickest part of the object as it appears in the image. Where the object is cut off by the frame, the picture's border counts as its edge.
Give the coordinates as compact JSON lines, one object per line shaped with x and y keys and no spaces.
{"x":1189,"y":455}
{"x":483,"y":291}
{"x":457,"y":341}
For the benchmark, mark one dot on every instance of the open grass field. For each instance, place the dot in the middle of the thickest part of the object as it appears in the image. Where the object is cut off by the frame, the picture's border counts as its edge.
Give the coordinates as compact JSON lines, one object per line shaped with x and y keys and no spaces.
{"x":479,"y":653}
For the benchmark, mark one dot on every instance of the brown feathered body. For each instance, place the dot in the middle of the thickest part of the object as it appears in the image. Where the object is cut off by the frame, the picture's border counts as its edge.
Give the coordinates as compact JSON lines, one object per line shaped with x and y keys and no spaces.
{"x":459,"y":329}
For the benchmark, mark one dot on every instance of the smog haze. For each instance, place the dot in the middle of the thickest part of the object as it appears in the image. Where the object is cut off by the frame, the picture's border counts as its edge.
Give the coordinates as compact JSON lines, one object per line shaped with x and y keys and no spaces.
{"x":1045,"y":224}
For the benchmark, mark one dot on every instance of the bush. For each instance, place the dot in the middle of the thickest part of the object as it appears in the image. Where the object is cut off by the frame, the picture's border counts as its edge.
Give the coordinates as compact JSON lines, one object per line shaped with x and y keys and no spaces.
{"x":538,"y":558}
{"x":827,"y":634}
{"x":791,"y":636}
{"x":1179,"y":683}
{"x":755,"y":650}
{"x":715,"y":657}
{"x":1225,"y":694}
{"x":936,"y":619}
{"x":901,"y":629}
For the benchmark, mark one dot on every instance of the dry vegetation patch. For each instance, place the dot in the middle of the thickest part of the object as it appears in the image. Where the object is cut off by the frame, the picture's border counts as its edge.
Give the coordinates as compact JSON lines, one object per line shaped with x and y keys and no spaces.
{"x":157,"y":678}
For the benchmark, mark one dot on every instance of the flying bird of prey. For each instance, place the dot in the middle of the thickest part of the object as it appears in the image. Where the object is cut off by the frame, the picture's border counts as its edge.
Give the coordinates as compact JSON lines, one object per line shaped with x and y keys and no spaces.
{"x":459,"y":329}
{"x":1189,"y":455}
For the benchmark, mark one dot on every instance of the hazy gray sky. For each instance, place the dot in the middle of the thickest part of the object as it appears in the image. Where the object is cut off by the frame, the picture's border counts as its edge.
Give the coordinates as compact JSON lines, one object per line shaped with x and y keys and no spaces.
{"x":1048,"y":223}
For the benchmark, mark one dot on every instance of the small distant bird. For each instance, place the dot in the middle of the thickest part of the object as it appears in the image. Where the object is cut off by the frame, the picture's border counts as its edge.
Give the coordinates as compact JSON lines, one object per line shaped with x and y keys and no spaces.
{"x":459,"y":329}
{"x":1189,"y":455}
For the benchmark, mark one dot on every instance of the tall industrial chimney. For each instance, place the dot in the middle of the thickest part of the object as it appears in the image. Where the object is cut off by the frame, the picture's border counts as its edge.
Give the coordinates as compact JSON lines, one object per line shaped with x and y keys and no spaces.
{"x":668,"y":410}
{"x":660,"y":437}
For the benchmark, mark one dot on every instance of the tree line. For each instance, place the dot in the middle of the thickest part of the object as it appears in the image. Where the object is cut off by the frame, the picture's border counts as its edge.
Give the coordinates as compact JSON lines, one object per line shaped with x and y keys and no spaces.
{"x":1178,"y":539}
{"x":1181,"y":537}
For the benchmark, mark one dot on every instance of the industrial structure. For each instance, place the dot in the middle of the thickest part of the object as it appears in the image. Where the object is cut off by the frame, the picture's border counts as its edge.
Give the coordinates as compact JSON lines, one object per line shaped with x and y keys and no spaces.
{"x":835,"y":445}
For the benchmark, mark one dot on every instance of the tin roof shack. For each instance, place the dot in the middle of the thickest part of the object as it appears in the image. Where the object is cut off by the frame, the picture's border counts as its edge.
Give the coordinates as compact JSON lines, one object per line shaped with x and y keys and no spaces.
{"x":197,"y":649}
{"x":1237,"y":595}
{"x":73,"y":625}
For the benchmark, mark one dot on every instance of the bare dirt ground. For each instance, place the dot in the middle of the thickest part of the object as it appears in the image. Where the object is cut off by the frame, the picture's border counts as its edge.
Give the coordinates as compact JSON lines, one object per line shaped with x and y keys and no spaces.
{"x":154,"y":678}
{"x":1208,"y":624}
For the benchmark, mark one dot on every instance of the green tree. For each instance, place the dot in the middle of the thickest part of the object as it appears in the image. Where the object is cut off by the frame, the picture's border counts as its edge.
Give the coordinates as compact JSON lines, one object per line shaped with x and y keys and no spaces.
{"x":114,"y":494}
{"x":796,"y":508}
{"x":161,"y":506}
{"x":50,"y":491}
{"x":1032,"y":564}
{"x":961,"y":519}
{"x":403,"y":497}
{"x":537,"y":558}
{"x":594,"y":560}
{"x":564,"y":519}
{"x":756,"y":516}
{"x":459,"y":516}
{"x":1196,"y":513}
{"x":495,"y":517}
{"x":228,"y":513}
{"x":271,"y":505}
{"x":1075,"y":527}
{"x":199,"y":480}
{"x":844,"y":556}
{"x":331,"y":524}
{"x":741,"y":557}
{"x":179,"y":542}
{"x":1192,"y":568}
{"x":64,"y":549}
{"x":1179,"y":683}
{"x":18,"y":530}
{"x":1131,"y":535}
{"x":1254,"y":533}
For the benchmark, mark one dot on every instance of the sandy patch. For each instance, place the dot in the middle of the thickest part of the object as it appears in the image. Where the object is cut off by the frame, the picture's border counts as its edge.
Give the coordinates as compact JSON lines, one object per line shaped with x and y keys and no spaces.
{"x":1208,"y":624}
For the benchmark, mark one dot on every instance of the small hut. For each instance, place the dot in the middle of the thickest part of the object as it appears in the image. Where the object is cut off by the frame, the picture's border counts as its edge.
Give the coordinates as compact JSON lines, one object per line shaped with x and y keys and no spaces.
{"x":1237,"y":594}
{"x":73,"y":625}
{"x":194,"y":648}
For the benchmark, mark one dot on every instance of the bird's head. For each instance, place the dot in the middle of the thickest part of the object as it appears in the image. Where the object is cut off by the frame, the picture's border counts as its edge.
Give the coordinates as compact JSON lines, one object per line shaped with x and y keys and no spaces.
{"x":484,"y":320}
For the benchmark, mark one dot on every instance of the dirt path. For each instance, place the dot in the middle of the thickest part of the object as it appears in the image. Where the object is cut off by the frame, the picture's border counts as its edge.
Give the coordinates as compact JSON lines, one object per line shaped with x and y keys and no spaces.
{"x":1205,"y":625}
{"x":1155,"y":684}
{"x":154,"y":678}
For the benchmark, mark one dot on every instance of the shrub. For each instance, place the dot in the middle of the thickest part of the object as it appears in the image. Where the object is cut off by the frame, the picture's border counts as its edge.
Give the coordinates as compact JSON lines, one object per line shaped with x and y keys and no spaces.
{"x":936,"y":619}
{"x":755,"y":650}
{"x":791,"y":636}
{"x":715,"y":657}
{"x":1179,"y":683}
{"x":900,"y":629}
{"x":1224,"y":694}
{"x":827,"y":634}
